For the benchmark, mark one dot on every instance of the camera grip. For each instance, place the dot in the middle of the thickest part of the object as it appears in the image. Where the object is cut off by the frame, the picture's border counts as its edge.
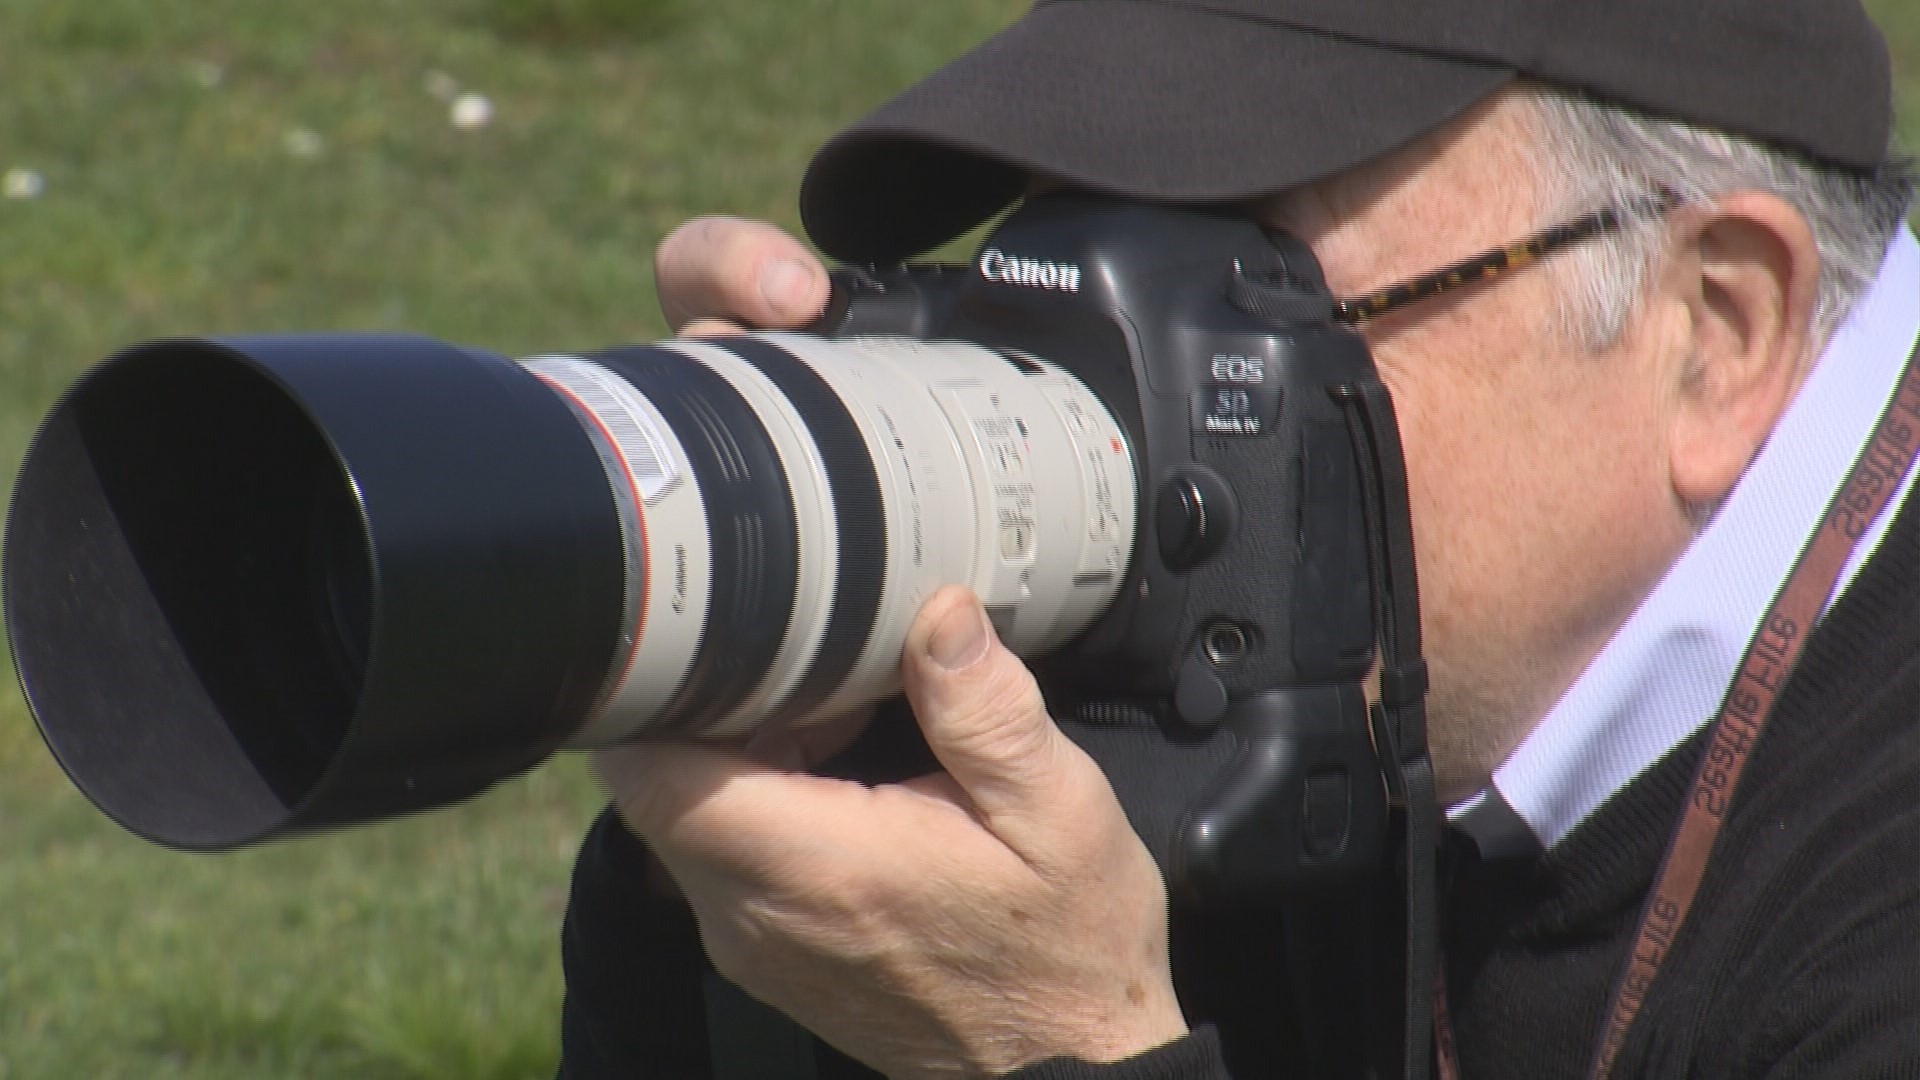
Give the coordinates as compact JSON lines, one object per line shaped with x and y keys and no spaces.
{"x":1285,"y":793}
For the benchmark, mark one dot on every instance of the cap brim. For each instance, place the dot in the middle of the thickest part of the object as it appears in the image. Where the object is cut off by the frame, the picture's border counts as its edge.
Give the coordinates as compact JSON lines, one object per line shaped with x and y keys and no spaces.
{"x":1149,"y":100}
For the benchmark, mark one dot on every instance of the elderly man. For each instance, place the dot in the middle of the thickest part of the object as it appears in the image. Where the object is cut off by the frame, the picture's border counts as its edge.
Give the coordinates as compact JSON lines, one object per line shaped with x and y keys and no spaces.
{"x":1615,"y":458}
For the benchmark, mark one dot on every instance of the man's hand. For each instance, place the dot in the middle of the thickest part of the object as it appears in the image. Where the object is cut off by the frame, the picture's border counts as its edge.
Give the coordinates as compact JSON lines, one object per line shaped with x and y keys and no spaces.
{"x":963,"y":924}
{"x":715,"y":272}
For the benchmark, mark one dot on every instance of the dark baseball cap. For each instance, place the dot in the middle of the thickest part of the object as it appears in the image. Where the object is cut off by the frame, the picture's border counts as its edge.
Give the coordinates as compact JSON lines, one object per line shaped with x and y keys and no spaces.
{"x":1207,"y":101}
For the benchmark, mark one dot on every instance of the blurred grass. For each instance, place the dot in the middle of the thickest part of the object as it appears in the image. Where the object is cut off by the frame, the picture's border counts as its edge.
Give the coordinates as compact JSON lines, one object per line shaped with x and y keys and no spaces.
{"x":174,"y":203}
{"x":1901,"y":21}
{"x":583,"y":23}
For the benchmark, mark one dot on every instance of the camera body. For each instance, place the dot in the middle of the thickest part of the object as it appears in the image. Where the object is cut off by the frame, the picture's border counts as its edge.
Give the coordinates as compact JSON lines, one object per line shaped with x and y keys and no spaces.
{"x":1222,"y":690}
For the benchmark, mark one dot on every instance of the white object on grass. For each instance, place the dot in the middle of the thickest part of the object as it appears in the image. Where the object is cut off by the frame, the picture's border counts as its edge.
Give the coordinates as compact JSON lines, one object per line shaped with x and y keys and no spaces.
{"x":23,"y":184}
{"x":471,"y":111}
{"x":303,"y":142}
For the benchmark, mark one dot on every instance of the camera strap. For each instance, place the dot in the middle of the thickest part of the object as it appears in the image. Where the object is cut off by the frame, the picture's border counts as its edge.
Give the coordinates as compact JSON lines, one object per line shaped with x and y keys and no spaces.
{"x":1769,"y":661}
{"x":1399,"y":716}
{"x":1762,"y":673}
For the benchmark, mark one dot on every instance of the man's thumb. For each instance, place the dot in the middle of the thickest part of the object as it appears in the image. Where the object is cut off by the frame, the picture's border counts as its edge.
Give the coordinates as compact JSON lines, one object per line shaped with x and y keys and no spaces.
{"x":982,"y":712}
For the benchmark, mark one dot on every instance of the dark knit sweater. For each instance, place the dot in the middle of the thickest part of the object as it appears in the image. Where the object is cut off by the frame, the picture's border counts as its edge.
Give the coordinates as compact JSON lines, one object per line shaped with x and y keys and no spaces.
{"x":1801,"y":957}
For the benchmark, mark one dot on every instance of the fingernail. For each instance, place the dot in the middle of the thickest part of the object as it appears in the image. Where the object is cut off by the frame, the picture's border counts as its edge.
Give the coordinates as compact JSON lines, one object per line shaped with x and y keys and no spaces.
{"x":786,"y":285}
{"x":960,"y":639}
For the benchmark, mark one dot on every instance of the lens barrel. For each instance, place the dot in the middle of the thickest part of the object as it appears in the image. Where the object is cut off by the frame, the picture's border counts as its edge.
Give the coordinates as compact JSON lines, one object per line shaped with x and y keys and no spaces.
{"x":270,"y":585}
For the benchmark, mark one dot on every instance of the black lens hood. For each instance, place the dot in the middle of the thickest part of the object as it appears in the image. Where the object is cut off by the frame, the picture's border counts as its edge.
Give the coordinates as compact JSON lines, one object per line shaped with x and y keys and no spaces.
{"x":268,"y":585}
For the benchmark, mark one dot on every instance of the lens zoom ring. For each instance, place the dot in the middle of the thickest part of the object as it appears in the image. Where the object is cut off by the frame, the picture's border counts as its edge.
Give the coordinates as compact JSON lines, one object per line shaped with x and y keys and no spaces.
{"x":859,"y":514}
{"x":750,"y":517}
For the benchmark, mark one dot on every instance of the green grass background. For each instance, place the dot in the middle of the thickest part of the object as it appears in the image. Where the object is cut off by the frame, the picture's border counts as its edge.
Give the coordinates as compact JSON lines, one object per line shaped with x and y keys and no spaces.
{"x":425,"y":948}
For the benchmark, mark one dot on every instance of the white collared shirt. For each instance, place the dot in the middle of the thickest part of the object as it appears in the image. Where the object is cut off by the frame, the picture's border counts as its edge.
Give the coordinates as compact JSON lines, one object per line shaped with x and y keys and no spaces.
{"x":1662,"y":676}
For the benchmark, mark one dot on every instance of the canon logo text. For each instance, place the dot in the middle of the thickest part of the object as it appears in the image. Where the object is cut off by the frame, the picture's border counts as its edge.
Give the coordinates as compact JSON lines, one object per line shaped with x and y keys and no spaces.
{"x":998,"y":266}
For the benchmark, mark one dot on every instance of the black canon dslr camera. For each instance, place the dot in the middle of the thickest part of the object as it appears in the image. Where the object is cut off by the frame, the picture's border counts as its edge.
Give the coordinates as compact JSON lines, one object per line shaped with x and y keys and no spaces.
{"x":257,"y":586}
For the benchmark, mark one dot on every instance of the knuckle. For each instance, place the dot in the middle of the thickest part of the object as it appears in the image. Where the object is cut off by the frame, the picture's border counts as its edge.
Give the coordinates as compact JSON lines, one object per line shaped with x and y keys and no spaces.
{"x":695,"y":243}
{"x":1010,"y":741}
{"x":995,"y":704}
{"x":701,"y":264}
{"x":682,"y":248}
{"x":998,"y":713}
{"x":1008,"y":702}
{"x":729,"y":243}
{"x":999,"y":680}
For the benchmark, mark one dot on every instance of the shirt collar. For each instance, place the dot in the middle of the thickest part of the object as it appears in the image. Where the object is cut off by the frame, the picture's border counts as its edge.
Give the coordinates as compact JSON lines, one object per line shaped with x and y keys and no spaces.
{"x":1663,"y":674}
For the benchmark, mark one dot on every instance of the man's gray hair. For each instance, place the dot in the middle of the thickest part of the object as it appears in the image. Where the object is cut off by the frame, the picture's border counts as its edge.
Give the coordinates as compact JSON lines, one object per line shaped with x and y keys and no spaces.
{"x":1598,"y":155}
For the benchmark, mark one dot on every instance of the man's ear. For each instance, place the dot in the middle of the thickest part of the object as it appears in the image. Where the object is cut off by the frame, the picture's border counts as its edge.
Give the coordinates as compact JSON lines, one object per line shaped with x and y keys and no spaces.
{"x":1748,"y":270}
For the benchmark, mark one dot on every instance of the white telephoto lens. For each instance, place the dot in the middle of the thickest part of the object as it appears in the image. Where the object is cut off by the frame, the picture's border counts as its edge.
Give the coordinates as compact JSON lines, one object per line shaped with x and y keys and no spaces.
{"x":905,"y":466}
